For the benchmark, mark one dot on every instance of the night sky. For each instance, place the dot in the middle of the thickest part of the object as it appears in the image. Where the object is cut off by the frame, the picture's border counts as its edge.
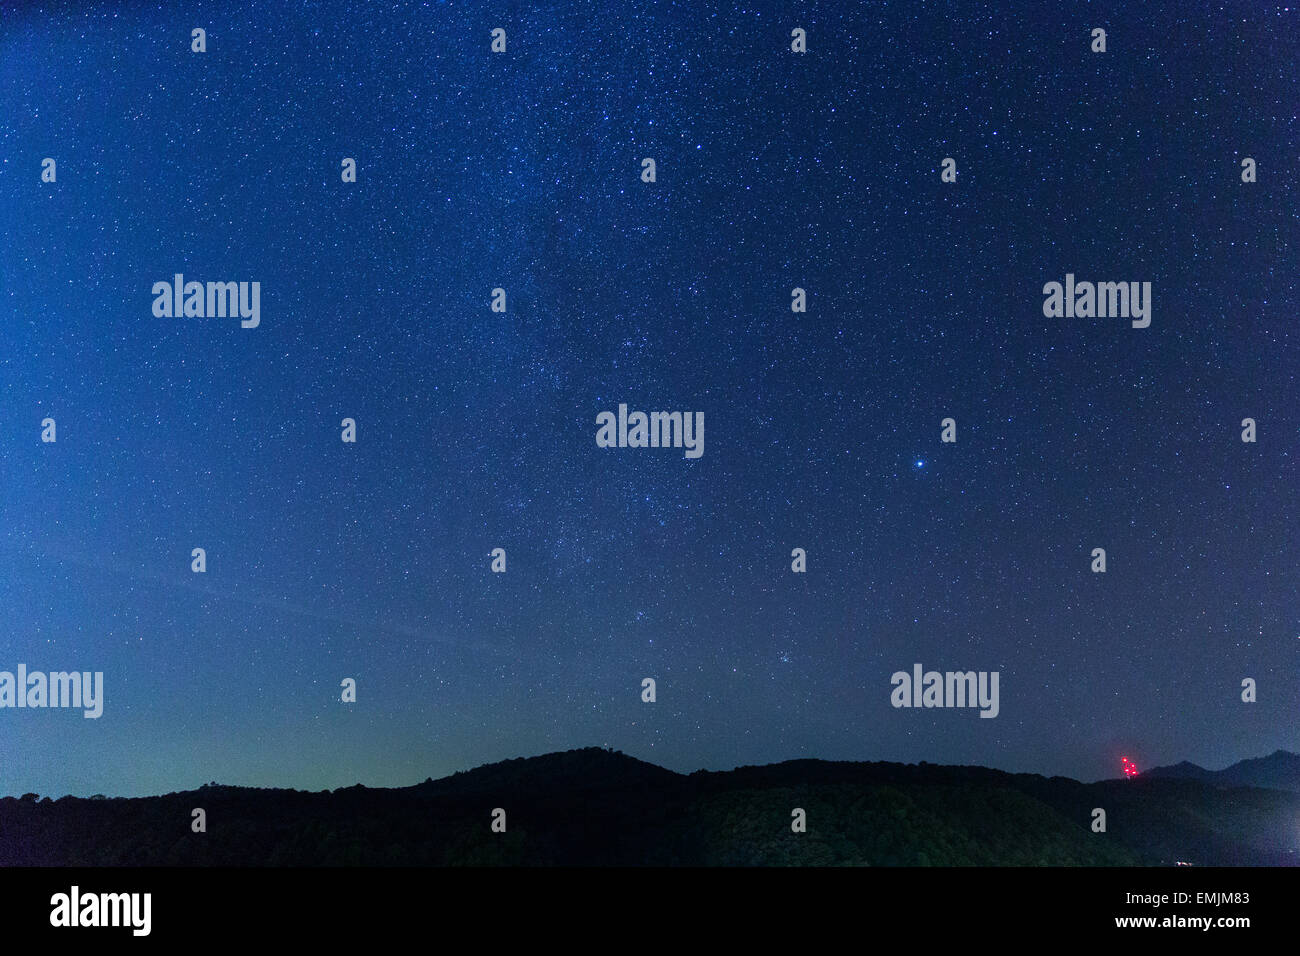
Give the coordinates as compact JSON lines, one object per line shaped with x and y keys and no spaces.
{"x":476,"y":429}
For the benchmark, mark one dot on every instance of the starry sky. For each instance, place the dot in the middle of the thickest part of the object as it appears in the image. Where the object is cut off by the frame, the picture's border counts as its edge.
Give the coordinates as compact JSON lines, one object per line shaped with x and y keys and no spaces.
{"x":476,"y":429}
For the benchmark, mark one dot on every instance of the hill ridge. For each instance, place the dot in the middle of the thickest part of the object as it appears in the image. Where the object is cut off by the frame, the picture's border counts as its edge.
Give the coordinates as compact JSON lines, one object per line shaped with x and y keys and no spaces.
{"x":598,"y":807}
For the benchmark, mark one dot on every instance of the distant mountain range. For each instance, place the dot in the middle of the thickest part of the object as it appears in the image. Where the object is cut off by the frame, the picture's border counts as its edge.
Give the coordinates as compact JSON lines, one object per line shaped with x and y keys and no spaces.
{"x":595,"y":807}
{"x":1280,"y":770}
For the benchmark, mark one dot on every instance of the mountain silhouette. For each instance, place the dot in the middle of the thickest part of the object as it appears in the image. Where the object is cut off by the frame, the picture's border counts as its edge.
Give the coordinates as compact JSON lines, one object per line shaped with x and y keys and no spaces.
{"x":1280,"y":770}
{"x":595,"y":807}
{"x":570,"y":771}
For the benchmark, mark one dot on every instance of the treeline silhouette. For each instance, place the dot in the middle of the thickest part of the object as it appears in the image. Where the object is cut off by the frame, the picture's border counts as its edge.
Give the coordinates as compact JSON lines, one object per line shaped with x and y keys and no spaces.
{"x":603,"y":808}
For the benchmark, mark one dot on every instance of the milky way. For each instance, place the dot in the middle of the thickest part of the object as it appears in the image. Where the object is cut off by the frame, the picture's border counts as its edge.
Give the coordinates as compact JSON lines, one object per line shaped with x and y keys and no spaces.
{"x":476,"y":429}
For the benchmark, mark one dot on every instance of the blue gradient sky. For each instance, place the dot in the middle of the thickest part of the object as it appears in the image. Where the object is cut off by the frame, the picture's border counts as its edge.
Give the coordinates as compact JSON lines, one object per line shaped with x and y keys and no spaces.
{"x":476,"y":429}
